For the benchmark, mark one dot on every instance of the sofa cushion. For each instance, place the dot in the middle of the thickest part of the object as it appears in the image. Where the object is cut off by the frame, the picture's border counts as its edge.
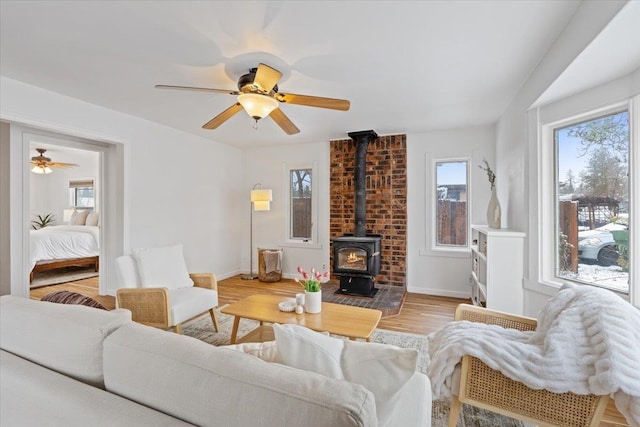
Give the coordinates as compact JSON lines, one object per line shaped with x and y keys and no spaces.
{"x":162,"y":267}
{"x":208,"y":386}
{"x":65,"y":338}
{"x":382,"y":369}
{"x":36,"y":396}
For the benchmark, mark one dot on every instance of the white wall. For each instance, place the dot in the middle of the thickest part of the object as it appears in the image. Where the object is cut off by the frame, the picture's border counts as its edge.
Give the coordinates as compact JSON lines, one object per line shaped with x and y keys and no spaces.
{"x":177,"y":187}
{"x":428,"y":272}
{"x":265,"y":166}
{"x":5,"y":247}
{"x":440,"y":272}
{"x":50,"y":193}
{"x":513,"y":146}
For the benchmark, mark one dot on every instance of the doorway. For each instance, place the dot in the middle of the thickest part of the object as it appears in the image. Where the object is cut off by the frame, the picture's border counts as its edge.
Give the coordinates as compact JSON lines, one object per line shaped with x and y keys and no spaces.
{"x":110,"y":200}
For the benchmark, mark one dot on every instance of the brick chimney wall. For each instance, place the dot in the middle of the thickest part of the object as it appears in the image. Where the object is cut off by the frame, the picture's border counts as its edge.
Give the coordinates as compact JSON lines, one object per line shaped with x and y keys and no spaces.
{"x":386,"y":185}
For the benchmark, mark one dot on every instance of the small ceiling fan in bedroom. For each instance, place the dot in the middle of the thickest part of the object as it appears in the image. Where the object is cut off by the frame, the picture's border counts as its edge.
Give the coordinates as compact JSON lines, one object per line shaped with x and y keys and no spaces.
{"x":258,"y":95}
{"x":42,"y":164}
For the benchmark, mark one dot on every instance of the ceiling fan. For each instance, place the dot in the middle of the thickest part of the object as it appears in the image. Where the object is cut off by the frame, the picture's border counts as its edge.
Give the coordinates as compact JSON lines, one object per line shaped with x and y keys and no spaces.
{"x":258,"y":94}
{"x":42,"y":164}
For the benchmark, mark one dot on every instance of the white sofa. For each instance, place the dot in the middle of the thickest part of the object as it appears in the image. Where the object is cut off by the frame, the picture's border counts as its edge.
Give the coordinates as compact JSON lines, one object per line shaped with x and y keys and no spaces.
{"x":71,"y":365}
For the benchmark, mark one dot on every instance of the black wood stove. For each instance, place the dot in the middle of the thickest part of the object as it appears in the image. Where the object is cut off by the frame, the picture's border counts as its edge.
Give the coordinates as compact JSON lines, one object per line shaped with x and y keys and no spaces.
{"x":356,"y":257}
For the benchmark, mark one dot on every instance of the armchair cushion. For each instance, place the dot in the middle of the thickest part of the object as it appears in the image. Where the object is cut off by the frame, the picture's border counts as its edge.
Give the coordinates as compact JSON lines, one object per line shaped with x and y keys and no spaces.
{"x":162,"y":267}
{"x":189,"y":302}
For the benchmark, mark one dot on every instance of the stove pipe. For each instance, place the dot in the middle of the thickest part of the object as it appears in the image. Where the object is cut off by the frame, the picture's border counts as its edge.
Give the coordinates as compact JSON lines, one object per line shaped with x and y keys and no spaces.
{"x":362,"y":139}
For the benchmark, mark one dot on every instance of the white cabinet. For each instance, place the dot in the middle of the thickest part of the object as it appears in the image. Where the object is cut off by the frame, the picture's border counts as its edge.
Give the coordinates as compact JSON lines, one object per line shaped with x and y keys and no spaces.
{"x":497,"y":268}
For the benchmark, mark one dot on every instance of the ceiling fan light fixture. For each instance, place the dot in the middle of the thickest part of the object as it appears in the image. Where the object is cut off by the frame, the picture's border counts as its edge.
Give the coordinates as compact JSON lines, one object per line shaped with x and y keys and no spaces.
{"x":256,"y":105}
{"x":41,"y":170}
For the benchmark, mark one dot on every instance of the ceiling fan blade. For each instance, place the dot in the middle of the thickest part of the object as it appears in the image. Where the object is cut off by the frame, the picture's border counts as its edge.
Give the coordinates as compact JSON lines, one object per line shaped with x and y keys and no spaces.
{"x":61,"y":165}
{"x":284,"y":122}
{"x":198,"y":89}
{"x":223,"y":117}
{"x":266,"y":77}
{"x":314,"y":101}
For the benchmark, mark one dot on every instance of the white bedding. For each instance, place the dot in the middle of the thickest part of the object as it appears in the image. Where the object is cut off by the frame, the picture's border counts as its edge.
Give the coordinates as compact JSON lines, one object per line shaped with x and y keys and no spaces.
{"x":64,"y":242}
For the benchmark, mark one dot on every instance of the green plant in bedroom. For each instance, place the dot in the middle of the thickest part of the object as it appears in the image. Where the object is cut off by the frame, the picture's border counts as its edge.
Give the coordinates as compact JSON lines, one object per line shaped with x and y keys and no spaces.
{"x":42,"y":221}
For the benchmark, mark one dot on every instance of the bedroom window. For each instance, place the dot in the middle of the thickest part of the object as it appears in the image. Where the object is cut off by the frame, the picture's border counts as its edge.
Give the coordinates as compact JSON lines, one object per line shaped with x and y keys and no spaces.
{"x":592,"y":209}
{"x":82,"y":194}
{"x":301,"y":203}
{"x":451,"y":204}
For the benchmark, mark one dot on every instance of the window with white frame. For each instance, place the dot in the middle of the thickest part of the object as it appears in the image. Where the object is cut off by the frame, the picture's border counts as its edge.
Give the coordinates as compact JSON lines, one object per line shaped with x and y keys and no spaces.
{"x":591,"y":200}
{"x":451,"y":204}
{"x":82,"y":194}
{"x":300,"y":202}
{"x":300,"y":207}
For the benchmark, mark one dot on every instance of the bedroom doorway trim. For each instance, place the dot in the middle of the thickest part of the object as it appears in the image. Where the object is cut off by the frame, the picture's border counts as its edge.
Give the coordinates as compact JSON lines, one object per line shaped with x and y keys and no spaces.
{"x":111,"y":174}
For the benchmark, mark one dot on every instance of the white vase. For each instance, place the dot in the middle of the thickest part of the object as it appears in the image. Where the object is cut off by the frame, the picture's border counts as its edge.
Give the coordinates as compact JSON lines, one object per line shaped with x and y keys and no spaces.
{"x":493,"y":211}
{"x":313,"y":302}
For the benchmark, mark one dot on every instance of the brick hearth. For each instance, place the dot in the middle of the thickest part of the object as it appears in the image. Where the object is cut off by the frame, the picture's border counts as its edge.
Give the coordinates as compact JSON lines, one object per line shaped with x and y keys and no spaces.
{"x":388,"y":299}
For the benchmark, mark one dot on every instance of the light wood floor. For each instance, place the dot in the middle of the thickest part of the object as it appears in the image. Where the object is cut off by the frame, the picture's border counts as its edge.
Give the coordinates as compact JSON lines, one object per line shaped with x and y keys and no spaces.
{"x":420,"y":314}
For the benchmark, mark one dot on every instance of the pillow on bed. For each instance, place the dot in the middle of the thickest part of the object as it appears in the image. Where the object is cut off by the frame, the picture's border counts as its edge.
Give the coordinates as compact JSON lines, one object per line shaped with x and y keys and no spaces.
{"x":93,"y":219}
{"x":162,"y":267}
{"x":78,"y":217}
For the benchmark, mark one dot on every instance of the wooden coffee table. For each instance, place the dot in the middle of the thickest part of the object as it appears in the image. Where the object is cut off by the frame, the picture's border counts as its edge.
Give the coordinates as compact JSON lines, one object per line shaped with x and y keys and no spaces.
{"x":338,"y":319}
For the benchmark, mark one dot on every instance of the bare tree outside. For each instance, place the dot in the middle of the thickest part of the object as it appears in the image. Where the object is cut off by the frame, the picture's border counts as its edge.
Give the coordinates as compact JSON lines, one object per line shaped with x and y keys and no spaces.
{"x":301,"y":200}
{"x":593,"y":158}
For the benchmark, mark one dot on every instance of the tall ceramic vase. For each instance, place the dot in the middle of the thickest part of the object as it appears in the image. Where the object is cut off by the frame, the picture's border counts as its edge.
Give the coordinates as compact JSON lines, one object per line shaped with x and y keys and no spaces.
{"x":313,"y":302}
{"x":493,"y":211}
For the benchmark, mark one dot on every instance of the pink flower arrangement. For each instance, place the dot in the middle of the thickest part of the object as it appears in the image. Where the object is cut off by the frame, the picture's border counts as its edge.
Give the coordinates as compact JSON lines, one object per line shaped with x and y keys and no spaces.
{"x":311,"y":282}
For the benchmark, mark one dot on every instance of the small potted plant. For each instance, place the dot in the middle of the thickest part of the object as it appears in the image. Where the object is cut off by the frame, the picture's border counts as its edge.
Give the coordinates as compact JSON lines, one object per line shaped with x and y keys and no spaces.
{"x":312,"y":289}
{"x":42,"y":221}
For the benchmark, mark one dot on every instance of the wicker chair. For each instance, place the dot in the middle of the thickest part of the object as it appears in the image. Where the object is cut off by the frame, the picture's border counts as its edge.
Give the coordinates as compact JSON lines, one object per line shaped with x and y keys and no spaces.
{"x":486,"y":388}
{"x":162,"y":307}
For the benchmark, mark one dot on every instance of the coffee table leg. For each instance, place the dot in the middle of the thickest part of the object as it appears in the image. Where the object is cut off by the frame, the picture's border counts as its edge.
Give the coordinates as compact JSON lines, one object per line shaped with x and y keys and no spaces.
{"x":234,"y":331}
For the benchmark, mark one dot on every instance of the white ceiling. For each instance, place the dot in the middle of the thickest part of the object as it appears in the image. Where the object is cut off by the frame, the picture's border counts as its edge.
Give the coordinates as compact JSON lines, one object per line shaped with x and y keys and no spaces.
{"x":405,"y":66}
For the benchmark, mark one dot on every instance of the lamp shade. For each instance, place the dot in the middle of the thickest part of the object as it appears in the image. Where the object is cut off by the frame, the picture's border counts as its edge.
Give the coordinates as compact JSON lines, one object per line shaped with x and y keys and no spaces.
{"x":256,"y":105}
{"x":261,"y":199}
{"x":41,"y":170}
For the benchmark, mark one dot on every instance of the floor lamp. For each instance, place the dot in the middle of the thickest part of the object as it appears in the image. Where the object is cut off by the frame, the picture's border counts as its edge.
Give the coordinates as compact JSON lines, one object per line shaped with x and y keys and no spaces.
{"x":260,"y":201}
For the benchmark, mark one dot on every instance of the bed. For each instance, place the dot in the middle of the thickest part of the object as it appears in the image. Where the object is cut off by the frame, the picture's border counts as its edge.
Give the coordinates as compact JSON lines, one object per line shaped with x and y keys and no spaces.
{"x":64,"y":246}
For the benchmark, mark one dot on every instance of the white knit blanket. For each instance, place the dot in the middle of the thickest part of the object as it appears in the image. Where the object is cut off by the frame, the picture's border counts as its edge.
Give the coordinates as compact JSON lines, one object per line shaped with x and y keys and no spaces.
{"x":587,"y":342}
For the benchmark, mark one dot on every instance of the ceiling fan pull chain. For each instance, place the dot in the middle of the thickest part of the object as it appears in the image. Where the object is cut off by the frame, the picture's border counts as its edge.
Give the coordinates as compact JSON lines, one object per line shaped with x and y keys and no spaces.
{"x":255,"y":124}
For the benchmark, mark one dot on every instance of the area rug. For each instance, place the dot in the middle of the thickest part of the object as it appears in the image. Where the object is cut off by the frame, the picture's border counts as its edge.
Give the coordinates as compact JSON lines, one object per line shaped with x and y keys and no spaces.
{"x":62,"y":275}
{"x":202,"y":329}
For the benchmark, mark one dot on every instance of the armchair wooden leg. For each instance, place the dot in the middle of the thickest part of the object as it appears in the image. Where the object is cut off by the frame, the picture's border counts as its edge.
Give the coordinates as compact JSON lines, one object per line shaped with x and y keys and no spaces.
{"x":177,"y":329}
{"x":214,"y":318}
{"x":454,"y":412}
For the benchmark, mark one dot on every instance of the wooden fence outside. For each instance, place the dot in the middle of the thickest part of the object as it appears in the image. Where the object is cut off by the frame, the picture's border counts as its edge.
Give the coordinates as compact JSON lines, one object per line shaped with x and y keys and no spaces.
{"x":568,"y":224}
{"x":301,"y":218}
{"x":452,"y":223}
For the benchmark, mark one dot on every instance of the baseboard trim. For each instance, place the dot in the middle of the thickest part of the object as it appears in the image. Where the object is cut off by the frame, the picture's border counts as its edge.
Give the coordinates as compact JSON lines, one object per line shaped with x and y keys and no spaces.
{"x":439,"y":292}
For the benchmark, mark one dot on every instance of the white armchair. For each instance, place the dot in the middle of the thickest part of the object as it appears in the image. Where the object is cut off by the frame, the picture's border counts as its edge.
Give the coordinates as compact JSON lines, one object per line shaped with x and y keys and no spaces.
{"x":161,"y":295}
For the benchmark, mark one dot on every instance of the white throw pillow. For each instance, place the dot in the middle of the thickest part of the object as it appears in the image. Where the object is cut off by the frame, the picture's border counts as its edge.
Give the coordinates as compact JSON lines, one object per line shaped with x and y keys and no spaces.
{"x":266,"y":351}
{"x":382,"y":369}
{"x":93,"y":219}
{"x":162,"y":267}
{"x":78,"y":217}
{"x":305,"y":349}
